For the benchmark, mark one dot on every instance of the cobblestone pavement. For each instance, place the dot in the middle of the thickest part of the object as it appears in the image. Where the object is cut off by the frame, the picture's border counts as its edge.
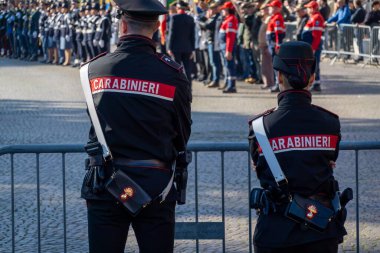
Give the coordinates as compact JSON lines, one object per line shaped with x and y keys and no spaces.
{"x":44,"y":104}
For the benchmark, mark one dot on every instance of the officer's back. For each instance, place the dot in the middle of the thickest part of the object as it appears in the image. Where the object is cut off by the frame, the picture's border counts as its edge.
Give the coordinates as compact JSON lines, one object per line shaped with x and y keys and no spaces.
{"x":182,"y":33}
{"x":149,"y":87}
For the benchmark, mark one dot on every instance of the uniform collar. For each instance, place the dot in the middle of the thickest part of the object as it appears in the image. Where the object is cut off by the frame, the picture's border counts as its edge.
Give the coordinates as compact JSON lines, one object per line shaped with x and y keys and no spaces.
{"x":136,"y":42}
{"x":294,"y":97}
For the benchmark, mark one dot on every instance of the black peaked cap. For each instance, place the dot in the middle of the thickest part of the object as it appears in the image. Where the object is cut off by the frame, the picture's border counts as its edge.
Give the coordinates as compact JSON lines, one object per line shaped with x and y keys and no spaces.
{"x":143,"y":10}
{"x":295,"y":59}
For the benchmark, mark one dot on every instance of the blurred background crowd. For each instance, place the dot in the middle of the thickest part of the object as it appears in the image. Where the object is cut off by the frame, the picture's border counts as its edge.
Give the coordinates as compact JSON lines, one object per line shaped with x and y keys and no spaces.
{"x":218,"y":42}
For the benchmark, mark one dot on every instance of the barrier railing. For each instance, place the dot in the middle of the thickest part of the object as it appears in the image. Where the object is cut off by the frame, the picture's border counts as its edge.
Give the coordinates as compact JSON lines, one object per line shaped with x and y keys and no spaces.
{"x":184,"y":230}
{"x":357,"y":41}
{"x":291,"y":31}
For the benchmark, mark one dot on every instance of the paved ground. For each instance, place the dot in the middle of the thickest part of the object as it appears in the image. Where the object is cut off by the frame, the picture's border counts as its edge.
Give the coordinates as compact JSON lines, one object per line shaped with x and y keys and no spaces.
{"x":44,"y":104}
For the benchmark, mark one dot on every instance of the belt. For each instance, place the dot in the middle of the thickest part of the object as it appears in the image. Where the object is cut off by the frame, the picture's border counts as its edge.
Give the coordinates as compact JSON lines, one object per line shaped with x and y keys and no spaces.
{"x":151,"y":163}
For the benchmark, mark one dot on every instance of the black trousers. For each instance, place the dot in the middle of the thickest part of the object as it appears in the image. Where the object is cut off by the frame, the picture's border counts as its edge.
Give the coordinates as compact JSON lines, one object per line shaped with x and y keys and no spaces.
{"x":109,"y":221}
{"x":184,"y":58}
{"x":325,"y":246}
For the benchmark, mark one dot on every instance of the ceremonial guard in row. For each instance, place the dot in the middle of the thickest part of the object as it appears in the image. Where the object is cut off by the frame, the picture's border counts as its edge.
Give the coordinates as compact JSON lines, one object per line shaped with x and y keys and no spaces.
{"x":57,"y":34}
{"x":74,"y":11}
{"x":34,"y":31}
{"x":50,"y":24}
{"x":66,"y":34}
{"x":92,"y":19}
{"x":43,"y":30}
{"x":25,"y":32}
{"x":18,"y":25}
{"x":80,"y":31}
{"x":103,"y":31}
{"x":3,"y":28}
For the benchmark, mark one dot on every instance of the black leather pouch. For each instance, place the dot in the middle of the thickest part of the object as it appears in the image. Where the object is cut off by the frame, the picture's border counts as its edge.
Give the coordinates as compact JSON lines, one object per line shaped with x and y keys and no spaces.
{"x":128,"y":192}
{"x":309,"y":212}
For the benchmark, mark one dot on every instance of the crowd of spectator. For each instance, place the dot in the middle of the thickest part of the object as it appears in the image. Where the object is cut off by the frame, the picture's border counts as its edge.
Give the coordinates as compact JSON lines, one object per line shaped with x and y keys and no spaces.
{"x":218,"y":42}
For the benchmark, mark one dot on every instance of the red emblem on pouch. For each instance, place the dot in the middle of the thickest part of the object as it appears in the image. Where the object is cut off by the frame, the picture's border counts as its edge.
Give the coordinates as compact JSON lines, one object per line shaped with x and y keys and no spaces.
{"x":128,"y":193}
{"x":311,"y":211}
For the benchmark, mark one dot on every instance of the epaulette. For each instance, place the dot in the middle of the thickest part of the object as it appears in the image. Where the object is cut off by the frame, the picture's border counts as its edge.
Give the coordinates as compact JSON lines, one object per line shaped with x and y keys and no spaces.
{"x":261,"y":114}
{"x":93,"y":59}
{"x":323,"y":109}
{"x":169,"y":61}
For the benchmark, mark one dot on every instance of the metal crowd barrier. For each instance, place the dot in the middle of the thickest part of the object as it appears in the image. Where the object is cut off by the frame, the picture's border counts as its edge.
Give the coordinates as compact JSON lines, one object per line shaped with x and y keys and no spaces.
{"x":291,"y":31}
{"x":184,"y":230}
{"x":357,"y":41}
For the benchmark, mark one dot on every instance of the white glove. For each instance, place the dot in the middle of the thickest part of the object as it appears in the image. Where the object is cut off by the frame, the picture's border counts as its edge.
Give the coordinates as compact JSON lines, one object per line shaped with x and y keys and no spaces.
{"x":67,"y":38}
{"x":95,"y":42}
{"x":34,"y":34}
{"x":101,"y":43}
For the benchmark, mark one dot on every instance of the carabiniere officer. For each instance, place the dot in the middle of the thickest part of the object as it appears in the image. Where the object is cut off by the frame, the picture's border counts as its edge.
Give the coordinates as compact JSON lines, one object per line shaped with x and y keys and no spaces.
{"x":305,"y":141}
{"x":143,"y":102}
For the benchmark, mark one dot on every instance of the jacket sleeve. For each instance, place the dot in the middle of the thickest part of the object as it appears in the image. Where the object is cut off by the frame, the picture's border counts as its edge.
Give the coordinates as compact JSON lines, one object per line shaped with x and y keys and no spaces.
{"x":334,"y":17}
{"x":182,"y":105}
{"x":277,"y":27}
{"x":192,"y":34}
{"x":253,"y":146}
{"x":368,"y":18}
{"x":171,"y":33}
{"x":355,"y":17}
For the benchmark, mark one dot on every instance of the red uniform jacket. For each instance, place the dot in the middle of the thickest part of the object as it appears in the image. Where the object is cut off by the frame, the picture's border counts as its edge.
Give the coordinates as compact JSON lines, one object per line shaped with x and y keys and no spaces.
{"x":228,"y":31}
{"x":276,"y":30}
{"x":313,"y":31}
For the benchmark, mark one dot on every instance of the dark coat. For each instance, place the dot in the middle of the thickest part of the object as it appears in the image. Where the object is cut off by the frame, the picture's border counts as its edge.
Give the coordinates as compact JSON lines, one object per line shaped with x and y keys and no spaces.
{"x":181,"y":37}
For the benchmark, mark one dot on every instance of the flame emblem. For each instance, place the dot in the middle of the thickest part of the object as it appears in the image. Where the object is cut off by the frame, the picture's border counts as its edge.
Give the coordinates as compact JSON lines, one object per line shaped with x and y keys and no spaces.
{"x":128,"y":193}
{"x":311,"y":212}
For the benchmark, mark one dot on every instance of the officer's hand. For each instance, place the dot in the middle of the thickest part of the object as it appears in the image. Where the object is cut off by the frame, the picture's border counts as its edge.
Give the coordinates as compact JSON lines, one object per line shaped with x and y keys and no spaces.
{"x":228,"y":56}
{"x":95,"y":42}
{"x":332,"y":164}
{"x":170,"y":53}
{"x":101,"y":43}
{"x":67,"y":38}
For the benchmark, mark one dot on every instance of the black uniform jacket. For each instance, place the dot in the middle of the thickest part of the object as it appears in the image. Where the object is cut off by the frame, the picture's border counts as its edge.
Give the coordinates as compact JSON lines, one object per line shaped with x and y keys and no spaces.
{"x":305,"y":139}
{"x":181,"y":37}
{"x":143,"y":103}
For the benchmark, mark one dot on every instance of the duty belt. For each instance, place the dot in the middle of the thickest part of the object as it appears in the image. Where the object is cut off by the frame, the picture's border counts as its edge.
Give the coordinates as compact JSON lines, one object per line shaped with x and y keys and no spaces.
{"x":151,"y":163}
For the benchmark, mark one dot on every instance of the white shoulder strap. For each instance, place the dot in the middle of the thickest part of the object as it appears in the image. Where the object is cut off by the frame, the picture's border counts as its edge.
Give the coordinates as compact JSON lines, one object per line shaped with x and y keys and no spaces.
{"x":274,"y":166}
{"x":85,"y":81}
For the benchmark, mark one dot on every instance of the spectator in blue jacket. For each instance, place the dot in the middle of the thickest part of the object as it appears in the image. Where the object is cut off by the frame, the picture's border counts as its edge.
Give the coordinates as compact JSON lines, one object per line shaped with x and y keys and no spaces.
{"x":342,"y":15}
